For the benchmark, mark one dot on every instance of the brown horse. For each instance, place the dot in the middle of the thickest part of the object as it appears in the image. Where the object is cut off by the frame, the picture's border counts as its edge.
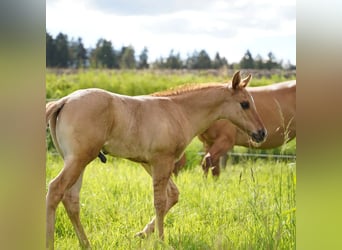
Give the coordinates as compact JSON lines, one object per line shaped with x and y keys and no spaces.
{"x":276,"y":105}
{"x":151,"y":130}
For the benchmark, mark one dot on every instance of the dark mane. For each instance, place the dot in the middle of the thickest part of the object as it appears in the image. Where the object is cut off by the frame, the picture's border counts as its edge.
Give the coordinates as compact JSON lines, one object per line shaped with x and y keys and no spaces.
{"x":186,"y":89}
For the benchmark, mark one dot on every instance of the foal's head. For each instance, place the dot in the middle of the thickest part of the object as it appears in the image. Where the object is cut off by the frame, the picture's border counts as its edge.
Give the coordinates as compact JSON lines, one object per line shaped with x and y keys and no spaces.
{"x":244,"y":114}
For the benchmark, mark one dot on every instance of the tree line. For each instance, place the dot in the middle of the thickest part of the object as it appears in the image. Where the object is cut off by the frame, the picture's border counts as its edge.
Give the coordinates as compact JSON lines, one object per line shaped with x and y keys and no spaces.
{"x":64,"y":53}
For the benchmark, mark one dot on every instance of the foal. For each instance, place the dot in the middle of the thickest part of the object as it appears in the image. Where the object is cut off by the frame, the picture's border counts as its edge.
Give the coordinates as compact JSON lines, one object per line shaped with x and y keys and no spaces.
{"x":151,"y":130}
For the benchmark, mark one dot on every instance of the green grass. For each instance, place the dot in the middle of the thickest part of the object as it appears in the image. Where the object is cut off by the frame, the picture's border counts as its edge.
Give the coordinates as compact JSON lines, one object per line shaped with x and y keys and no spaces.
{"x":251,"y":206}
{"x":133,"y":82}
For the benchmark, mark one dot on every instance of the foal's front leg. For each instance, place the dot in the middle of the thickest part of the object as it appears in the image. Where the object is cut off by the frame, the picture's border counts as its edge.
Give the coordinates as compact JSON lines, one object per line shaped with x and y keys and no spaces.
{"x":172,"y":199}
{"x":165,"y":196}
{"x":160,"y":199}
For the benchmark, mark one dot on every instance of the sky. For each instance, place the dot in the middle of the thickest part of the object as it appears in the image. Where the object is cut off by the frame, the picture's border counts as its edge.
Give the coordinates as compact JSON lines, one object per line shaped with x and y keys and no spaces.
{"x":229,"y":27}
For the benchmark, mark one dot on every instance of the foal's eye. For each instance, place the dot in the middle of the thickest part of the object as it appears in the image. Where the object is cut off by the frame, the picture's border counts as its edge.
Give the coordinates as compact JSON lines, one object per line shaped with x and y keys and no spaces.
{"x":244,"y":105}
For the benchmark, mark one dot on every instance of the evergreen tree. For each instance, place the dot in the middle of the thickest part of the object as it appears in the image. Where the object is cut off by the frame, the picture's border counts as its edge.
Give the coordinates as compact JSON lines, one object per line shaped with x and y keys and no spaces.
{"x":143,"y":57}
{"x":127,"y":58}
{"x":203,"y":60}
{"x":199,"y":60}
{"x":79,"y":53}
{"x":159,"y":63}
{"x":219,"y":62}
{"x":272,"y":63}
{"x":173,"y":61}
{"x":190,"y":62}
{"x":259,"y":62}
{"x":247,"y":61}
{"x":104,"y":55}
{"x":50,"y":51}
{"x":62,"y":55}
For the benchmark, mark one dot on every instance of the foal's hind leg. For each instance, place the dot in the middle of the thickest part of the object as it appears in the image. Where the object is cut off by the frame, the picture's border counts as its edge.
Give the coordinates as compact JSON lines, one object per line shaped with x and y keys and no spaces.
{"x":71,"y":202}
{"x":57,"y":187}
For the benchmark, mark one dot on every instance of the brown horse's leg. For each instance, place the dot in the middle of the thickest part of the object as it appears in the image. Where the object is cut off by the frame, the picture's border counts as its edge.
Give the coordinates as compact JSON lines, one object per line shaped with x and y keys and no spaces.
{"x":172,"y":199}
{"x":71,"y":203}
{"x":206,"y":163}
{"x":57,"y":187}
{"x":219,"y":148}
{"x":216,"y":169}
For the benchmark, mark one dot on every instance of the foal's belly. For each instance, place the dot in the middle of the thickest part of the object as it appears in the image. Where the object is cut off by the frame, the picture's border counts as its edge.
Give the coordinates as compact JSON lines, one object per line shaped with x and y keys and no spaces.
{"x":130,"y":151}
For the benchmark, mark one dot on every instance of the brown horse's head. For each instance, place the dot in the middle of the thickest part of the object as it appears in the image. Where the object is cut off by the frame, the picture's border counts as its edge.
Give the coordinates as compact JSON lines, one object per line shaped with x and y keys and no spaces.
{"x":245,"y":115}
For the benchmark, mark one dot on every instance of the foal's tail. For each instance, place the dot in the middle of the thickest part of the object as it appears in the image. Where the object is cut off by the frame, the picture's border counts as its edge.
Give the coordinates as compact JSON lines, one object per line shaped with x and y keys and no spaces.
{"x":52,"y":110}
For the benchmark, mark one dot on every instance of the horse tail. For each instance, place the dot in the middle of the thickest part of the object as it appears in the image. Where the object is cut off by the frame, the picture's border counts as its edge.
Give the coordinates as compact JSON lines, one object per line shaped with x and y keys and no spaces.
{"x":52,"y":110}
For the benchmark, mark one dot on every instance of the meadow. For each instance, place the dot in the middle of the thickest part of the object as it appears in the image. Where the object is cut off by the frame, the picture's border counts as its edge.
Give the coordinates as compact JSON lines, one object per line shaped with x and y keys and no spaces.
{"x":137,"y":82}
{"x":251,"y":206}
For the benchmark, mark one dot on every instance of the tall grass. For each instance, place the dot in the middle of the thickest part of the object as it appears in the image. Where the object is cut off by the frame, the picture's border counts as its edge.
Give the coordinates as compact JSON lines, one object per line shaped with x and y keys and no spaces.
{"x":251,"y":206}
{"x":59,"y":84}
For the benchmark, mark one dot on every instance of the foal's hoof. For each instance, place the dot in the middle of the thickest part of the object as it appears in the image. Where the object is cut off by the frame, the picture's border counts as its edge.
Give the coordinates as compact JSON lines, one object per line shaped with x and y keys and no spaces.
{"x":141,"y":235}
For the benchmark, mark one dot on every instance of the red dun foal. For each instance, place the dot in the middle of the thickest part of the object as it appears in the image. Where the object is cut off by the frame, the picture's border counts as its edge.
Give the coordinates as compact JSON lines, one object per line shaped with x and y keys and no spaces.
{"x":152,"y":130}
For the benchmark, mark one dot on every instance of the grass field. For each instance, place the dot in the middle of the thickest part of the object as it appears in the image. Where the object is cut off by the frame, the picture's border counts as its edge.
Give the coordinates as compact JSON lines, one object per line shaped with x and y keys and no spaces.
{"x":59,"y":84}
{"x":251,"y":206}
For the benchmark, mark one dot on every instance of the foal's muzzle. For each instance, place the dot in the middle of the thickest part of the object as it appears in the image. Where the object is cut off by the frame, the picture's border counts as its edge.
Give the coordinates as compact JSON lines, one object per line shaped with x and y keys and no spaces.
{"x":260,"y":136}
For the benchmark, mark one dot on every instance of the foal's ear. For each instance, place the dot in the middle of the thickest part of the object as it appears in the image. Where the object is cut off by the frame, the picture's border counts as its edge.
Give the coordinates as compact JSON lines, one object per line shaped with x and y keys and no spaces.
{"x":246,"y":80}
{"x":236,"y":80}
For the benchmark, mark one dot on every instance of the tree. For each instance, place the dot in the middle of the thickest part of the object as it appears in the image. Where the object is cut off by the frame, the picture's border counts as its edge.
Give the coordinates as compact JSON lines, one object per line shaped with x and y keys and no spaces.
{"x":50,"y":51}
{"x":203,"y":60}
{"x":143,"y":57}
{"x":62,"y":55}
{"x":191,"y":60}
{"x":272,"y":63}
{"x":159,"y":63}
{"x":259,"y":62}
{"x":78,"y":53}
{"x":199,"y":60}
{"x":219,"y":62}
{"x":173,"y":61}
{"x":104,"y":55}
{"x":289,"y":66}
{"x":127,"y":58}
{"x":247,"y":61}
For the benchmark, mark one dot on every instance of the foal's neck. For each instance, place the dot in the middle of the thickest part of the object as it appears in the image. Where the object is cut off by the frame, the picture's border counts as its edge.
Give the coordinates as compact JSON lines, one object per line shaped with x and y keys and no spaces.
{"x":202,"y":107}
